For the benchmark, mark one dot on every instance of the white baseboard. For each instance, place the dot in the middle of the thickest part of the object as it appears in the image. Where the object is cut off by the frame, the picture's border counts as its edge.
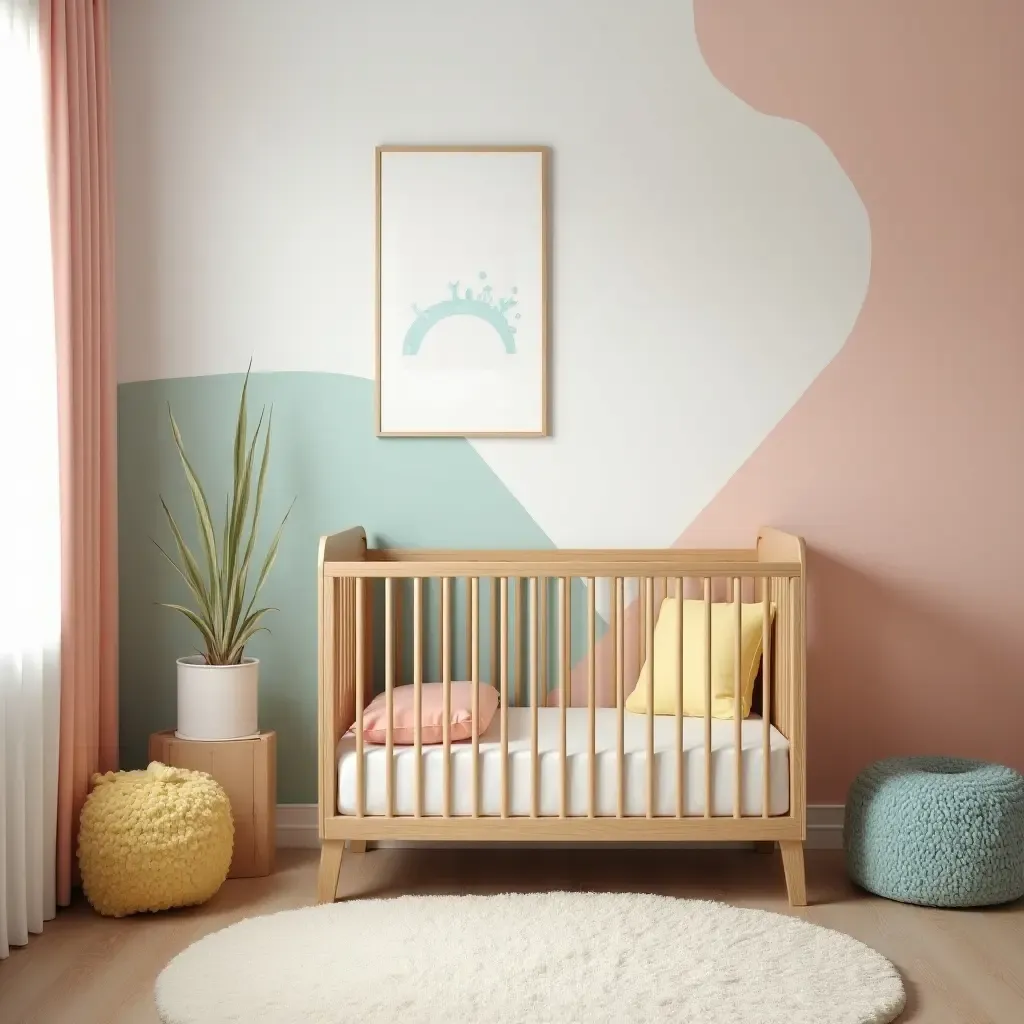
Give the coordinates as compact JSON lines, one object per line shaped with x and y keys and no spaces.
{"x":297,"y":828}
{"x":825,"y":826}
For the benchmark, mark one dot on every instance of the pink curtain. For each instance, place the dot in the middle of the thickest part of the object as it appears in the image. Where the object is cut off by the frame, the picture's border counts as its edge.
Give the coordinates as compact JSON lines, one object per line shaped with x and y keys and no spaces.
{"x":75,"y":45}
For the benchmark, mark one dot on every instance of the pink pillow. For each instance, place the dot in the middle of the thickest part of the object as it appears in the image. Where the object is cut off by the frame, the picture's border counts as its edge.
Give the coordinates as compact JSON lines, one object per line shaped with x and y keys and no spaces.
{"x":375,"y":716}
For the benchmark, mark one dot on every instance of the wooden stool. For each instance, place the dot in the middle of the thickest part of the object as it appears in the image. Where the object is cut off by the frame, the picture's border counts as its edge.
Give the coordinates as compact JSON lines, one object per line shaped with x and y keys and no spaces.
{"x":247,"y":769}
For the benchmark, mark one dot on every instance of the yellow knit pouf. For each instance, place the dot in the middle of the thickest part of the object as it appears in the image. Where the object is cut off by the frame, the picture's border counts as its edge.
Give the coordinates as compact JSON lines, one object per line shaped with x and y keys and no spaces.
{"x":154,"y":839}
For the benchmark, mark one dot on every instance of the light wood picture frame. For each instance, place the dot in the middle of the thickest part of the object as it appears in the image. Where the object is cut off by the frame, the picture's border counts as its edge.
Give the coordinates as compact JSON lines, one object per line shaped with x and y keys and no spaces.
{"x":461,"y":305}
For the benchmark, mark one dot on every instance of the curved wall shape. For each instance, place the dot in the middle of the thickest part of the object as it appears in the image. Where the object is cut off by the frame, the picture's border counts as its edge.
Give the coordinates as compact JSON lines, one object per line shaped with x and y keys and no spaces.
{"x":902,"y":464}
{"x":433,"y":493}
{"x":707,"y":261}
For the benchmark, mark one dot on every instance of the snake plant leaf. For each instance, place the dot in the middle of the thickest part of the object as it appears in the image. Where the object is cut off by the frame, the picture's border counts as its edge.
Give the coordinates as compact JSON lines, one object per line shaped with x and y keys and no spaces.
{"x":235,"y":585}
{"x":240,"y":431}
{"x":243,"y":571}
{"x":246,"y":631}
{"x":196,"y":593}
{"x":192,"y":574}
{"x":198,"y":623}
{"x":206,"y":534}
{"x":242,"y":508}
{"x":268,"y":561}
{"x":224,"y":545}
{"x":241,"y":428}
{"x":239,"y":649}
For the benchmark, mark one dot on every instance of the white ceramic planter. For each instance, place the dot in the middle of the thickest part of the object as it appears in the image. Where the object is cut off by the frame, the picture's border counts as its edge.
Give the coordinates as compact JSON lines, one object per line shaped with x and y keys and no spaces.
{"x":217,"y":702}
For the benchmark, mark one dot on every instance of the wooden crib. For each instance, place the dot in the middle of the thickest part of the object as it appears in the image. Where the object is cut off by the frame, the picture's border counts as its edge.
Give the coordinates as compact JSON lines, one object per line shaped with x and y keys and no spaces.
{"x":547,"y":771}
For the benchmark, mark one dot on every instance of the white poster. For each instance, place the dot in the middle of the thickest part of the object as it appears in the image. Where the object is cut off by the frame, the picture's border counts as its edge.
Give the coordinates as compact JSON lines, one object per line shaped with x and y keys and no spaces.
{"x":461,"y":291}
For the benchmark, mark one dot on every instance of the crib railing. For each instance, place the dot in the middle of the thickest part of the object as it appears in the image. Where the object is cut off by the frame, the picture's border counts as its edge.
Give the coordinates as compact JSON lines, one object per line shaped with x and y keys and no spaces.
{"x":519,"y":621}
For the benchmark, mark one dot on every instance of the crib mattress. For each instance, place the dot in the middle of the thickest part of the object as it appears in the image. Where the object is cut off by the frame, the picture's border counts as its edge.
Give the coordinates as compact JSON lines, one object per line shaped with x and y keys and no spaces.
{"x":723,"y":768}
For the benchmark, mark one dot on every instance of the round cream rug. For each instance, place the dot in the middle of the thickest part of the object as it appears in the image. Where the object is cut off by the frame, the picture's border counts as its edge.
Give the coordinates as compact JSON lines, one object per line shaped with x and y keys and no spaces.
{"x":552,"y":957}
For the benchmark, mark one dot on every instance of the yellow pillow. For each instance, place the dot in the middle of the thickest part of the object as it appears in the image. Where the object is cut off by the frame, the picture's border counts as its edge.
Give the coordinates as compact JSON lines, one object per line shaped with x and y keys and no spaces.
{"x":723,"y":659}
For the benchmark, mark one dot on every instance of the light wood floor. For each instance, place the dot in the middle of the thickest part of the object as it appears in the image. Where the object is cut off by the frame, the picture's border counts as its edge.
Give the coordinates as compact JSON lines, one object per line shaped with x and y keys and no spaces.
{"x":958,"y":966}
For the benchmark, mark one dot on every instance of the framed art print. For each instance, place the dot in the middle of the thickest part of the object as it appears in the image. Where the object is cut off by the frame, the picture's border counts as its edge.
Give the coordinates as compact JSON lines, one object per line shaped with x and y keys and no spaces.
{"x":462,"y":291}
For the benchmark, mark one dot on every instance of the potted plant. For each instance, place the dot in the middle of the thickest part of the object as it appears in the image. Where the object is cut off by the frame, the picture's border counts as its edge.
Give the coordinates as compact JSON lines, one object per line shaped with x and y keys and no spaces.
{"x":218,"y":686}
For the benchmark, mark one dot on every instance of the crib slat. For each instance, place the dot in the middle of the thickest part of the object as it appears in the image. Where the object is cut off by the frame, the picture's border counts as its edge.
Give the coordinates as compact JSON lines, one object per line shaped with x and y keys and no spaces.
{"x":778,"y":674}
{"x":617,"y":628}
{"x":542,"y":598}
{"x":649,"y":646}
{"x":641,"y":624}
{"x":332,"y":635}
{"x":778,"y":595}
{"x":474,"y":668}
{"x":766,"y":697}
{"x":440,"y":624}
{"x":534,"y":696}
{"x":503,"y":667}
{"x":680,"y":794}
{"x":737,"y":708}
{"x":787,"y":678}
{"x":399,"y":587}
{"x":417,"y":682}
{"x":782,"y":677}
{"x":360,"y":684}
{"x":389,"y":694}
{"x":350,"y":599}
{"x":563,"y":702}
{"x":446,"y":689}
{"x":796,"y":687}
{"x":467,"y":627}
{"x":790,"y":653}
{"x":521,"y":674}
{"x":592,"y":691}
{"x":708,"y":788}
{"x":494,"y":631}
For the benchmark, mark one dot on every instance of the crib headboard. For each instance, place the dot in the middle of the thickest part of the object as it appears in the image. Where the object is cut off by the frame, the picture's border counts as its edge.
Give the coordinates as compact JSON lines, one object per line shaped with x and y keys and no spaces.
{"x":789,"y":655}
{"x":336,"y":643}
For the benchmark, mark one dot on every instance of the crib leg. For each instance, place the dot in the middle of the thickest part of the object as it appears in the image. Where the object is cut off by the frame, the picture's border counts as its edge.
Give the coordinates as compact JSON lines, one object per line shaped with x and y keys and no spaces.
{"x":793,"y":865}
{"x":357,"y":846}
{"x":331,"y":852}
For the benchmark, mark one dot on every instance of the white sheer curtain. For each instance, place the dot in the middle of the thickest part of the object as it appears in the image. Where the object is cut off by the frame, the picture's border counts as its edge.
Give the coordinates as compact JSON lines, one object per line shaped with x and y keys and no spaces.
{"x":29,"y":492}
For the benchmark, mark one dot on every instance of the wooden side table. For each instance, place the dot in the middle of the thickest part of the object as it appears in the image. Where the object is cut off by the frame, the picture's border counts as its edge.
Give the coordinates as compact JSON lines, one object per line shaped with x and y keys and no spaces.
{"x":247,"y":769}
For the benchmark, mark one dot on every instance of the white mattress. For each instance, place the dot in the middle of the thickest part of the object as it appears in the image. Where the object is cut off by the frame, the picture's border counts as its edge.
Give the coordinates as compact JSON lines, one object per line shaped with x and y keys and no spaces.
{"x":723,"y":768}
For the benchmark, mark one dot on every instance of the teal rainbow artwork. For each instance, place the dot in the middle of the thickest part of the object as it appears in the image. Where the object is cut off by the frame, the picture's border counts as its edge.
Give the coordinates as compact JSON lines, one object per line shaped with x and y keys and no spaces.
{"x":482,"y":304}
{"x":462,"y":291}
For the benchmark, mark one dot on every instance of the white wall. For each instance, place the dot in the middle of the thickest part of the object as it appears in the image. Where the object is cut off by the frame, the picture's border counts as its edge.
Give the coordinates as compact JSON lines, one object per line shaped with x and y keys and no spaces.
{"x":709,"y":261}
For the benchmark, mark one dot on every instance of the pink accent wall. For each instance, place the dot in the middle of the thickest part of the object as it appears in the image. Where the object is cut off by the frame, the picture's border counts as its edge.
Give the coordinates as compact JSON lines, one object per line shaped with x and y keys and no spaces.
{"x":903,"y":464}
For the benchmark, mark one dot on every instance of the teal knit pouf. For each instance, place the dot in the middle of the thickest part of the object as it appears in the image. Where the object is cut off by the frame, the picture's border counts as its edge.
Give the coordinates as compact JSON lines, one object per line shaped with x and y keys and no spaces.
{"x":938,"y":831}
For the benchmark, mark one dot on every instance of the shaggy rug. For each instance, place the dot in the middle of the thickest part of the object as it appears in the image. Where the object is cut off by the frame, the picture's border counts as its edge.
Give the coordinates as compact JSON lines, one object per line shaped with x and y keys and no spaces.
{"x":547,"y":957}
